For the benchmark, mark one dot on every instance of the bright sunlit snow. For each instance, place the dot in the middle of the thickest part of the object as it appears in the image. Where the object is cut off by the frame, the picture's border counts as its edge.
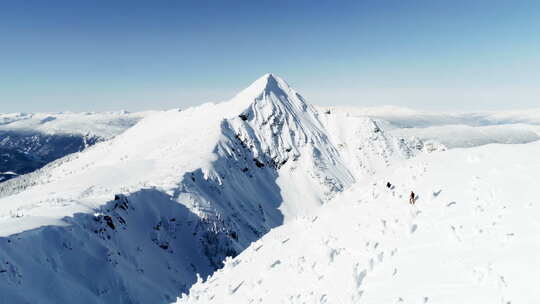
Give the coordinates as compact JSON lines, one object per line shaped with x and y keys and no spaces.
{"x":471,"y":237}
{"x":292,"y":199}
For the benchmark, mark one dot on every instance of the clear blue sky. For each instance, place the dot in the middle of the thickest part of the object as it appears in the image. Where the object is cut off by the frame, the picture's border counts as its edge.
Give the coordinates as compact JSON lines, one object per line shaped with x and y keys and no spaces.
{"x":110,"y":55}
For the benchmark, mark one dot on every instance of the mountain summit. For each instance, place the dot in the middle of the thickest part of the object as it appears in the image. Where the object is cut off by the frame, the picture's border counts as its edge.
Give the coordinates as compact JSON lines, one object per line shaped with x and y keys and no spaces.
{"x":174,"y":195}
{"x":265,"y":86}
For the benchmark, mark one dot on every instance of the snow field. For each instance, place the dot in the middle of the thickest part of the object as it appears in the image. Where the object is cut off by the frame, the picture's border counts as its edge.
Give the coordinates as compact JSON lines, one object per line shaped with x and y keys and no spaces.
{"x":470,"y":238}
{"x":307,"y":186}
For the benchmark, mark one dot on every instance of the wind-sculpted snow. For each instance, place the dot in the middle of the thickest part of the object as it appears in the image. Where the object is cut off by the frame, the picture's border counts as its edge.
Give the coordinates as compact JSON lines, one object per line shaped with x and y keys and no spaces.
{"x":280,"y":127}
{"x":202,"y":184}
{"x":471,"y":237}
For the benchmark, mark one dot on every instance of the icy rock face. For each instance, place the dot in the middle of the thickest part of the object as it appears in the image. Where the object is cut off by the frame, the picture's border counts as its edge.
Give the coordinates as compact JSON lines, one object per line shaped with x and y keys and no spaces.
{"x":132,"y":250}
{"x":279,"y":124}
{"x":280,"y":127}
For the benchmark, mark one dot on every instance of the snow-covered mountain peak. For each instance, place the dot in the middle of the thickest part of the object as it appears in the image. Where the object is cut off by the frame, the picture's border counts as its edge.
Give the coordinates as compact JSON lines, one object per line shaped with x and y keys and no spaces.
{"x":271,"y":98}
{"x":268,"y":85}
{"x":179,"y":191}
{"x":274,"y":84}
{"x":275,"y":120}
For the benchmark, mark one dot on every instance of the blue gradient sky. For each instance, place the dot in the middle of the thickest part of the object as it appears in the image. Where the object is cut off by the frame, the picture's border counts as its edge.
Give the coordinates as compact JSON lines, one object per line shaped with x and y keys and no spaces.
{"x":110,"y":55}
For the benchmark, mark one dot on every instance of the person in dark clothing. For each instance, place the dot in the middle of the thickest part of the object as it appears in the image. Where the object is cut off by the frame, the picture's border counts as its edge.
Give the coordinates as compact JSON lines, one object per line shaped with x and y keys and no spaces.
{"x":388,"y":185}
{"x":412,"y":198}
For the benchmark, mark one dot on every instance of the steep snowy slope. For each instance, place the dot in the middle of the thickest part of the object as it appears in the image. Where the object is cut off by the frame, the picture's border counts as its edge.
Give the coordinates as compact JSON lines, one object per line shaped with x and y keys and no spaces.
{"x":172,"y":196}
{"x":472,"y":237}
{"x":30,"y":141}
{"x":365,"y":147}
{"x":453,"y":130}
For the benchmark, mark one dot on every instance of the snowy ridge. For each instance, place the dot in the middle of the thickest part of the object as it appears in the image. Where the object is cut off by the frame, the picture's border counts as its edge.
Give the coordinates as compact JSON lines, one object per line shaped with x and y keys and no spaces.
{"x":279,"y":127}
{"x":190,"y":188}
{"x":280,"y":124}
{"x":143,"y":216}
{"x":364,"y":146}
{"x":470,"y":238}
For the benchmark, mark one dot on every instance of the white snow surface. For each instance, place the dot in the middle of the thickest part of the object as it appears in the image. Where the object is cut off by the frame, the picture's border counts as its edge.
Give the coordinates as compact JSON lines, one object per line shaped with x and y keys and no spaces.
{"x":471,"y":237}
{"x":178,"y":191}
{"x":160,"y":149}
{"x":175,"y":194}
